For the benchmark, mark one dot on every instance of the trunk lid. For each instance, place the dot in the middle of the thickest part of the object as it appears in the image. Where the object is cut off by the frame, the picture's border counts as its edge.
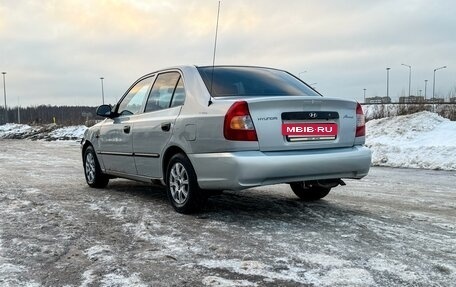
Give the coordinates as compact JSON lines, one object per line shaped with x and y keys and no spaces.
{"x":291,"y":123}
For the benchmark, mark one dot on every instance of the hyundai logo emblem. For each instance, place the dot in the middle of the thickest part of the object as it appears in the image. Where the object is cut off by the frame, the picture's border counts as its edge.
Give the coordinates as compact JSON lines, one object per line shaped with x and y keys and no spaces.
{"x":312,"y":115}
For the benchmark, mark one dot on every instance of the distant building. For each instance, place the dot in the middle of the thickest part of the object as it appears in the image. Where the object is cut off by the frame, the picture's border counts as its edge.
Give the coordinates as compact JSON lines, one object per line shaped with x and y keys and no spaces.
{"x":378,"y":100}
{"x":436,"y":100}
{"x":411,"y":100}
{"x":453,"y":100}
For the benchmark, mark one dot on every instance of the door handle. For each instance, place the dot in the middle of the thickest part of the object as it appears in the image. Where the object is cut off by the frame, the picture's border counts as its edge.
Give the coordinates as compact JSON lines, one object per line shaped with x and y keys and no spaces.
{"x":166,"y":127}
{"x":126,"y":129}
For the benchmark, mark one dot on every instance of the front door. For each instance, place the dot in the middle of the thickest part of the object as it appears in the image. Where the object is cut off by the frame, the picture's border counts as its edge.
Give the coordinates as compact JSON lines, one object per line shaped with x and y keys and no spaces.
{"x":115,"y":142}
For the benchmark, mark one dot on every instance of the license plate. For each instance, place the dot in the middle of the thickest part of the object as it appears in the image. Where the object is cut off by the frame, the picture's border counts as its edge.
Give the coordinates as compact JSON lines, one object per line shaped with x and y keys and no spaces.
{"x":310,"y":130}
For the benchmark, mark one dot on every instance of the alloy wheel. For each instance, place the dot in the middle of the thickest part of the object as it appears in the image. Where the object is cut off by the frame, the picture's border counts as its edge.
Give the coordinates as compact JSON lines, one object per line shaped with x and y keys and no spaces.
{"x":179,"y":183}
{"x":90,"y":167}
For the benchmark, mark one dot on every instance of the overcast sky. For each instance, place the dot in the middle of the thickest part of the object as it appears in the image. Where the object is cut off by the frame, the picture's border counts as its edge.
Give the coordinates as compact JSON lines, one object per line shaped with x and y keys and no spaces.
{"x":54,"y":52}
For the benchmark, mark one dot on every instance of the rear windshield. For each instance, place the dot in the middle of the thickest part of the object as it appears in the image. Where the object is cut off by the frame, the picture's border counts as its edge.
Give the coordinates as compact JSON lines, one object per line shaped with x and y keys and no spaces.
{"x":252,"y":82}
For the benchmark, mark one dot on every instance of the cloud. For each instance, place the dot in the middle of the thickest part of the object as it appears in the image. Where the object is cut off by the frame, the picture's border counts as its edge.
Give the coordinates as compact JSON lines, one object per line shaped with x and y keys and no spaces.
{"x":55,"y":51}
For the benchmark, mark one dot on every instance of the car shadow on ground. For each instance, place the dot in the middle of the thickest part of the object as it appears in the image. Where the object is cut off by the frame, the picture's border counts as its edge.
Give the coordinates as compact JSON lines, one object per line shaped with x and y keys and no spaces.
{"x":251,"y":204}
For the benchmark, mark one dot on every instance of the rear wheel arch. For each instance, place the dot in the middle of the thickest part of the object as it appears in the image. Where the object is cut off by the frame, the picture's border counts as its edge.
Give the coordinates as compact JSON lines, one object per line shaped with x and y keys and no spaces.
{"x":169,"y":153}
{"x":182,"y":187}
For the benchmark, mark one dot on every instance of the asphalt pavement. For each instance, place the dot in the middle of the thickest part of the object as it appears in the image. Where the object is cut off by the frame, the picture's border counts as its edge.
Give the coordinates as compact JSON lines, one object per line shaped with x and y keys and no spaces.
{"x":396,"y":227}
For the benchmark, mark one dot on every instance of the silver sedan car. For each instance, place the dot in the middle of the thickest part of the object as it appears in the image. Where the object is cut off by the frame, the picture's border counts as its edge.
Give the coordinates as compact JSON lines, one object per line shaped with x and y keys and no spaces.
{"x":198,"y":130}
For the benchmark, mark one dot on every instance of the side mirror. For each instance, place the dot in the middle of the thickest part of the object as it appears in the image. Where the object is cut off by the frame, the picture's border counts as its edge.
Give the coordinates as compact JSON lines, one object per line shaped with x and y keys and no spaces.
{"x":104,"y":111}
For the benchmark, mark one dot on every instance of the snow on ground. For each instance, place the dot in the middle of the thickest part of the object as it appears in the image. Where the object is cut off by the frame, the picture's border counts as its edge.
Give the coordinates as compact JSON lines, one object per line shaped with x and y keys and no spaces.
{"x":222,"y":282}
{"x":421,"y":140}
{"x":9,"y":272}
{"x":343,"y":276}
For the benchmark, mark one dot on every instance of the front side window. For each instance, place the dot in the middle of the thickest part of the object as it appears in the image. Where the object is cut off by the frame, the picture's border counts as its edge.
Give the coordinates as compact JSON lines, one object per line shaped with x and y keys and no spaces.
{"x":134,"y":100}
{"x":162,"y":92}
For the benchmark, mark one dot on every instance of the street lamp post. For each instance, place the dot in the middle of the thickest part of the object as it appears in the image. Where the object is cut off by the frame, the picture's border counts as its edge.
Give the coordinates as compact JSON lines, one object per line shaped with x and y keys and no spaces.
{"x":4,"y":95}
{"x":425,"y":88}
{"x":433,"y":83}
{"x":364,"y":95}
{"x":387,"y":82}
{"x":18,"y":112}
{"x":410,"y":76}
{"x":102,"y":91}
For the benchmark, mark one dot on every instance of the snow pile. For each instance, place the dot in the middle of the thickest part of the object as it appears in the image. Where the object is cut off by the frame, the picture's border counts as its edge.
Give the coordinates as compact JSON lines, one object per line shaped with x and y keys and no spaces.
{"x":50,"y":132}
{"x":10,"y":130}
{"x":421,"y":140}
{"x":72,"y":132}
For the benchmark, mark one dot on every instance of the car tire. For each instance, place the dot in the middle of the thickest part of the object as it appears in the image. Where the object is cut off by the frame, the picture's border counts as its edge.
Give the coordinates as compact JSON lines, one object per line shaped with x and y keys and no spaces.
{"x":92,"y":171}
{"x":182,"y":187}
{"x":309,"y":192}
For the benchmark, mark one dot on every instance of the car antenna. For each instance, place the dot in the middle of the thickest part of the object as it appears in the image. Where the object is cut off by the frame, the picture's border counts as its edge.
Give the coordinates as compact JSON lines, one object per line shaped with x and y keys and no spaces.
{"x":213,"y":57}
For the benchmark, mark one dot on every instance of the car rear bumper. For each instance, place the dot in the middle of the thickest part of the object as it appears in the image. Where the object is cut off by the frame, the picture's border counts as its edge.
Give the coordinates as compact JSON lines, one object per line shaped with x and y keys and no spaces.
{"x":240,"y":170}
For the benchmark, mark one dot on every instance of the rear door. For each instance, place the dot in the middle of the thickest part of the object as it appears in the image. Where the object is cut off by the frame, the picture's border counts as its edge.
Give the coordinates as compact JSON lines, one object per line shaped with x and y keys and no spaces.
{"x":153,"y":129}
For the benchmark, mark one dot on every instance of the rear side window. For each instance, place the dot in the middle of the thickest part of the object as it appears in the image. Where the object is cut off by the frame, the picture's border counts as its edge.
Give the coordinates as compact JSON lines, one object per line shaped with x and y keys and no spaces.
{"x":226,"y":81}
{"x":162,"y":92}
{"x":179,"y":94}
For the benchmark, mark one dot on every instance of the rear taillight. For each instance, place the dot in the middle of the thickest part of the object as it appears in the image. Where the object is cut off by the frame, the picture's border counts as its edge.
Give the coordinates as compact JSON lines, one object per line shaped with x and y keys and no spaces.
{"x":360,"y":122}
{"x":238,"y":125}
